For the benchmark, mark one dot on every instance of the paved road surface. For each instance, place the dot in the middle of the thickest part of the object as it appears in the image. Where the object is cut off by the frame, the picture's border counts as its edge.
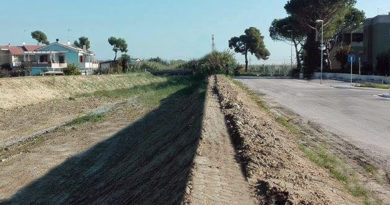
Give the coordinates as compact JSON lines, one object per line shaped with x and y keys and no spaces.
{"x":358,"y":115}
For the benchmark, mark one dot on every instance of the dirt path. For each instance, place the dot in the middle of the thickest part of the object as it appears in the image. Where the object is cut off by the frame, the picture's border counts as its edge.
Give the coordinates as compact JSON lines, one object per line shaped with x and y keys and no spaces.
{"x":217,"y":177}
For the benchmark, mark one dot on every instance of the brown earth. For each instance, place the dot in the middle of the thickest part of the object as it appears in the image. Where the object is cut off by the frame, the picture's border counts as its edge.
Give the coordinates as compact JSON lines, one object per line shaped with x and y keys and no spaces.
{"x":274,"y":165}
{"x":22,"y":91}
{"x":21,"y":122}
{"x":135,"y":155}
{"x":192,"y":149}
{"x":216,"y":176}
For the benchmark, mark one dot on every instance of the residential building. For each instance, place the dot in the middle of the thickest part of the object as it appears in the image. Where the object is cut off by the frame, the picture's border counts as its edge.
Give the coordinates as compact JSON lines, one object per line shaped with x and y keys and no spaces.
{"x":355,"y":39}
{"x":53,"y":58}
{"x":13,"y":56}
{"x":376,"y":38}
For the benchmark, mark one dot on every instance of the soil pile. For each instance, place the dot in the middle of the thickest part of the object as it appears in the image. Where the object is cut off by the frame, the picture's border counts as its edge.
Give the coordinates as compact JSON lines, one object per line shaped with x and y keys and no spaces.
{"x":274,"y":165}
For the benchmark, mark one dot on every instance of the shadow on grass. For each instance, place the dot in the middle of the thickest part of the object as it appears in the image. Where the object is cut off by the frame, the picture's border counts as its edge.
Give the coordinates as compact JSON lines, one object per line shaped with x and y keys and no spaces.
{"x":146,"y":163}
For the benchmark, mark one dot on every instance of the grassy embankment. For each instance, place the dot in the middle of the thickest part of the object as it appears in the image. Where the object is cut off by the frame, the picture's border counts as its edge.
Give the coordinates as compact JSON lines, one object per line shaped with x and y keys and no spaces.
{"x":155,"y":145}
{"x":373,"y":85}
{"x":31,"y":90}
{"x":149,"y":96}
{"x":319,"y":153}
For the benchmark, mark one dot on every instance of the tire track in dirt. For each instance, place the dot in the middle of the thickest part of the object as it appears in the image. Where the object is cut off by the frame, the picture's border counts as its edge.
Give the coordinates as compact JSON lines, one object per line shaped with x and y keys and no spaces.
{"x":216,"y":177}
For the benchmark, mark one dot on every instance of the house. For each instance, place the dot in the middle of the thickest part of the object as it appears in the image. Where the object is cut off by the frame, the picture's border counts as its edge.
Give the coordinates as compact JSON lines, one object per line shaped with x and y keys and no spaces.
{"x":376,"y":38}
{"x":53,"y":58}
{"x":13,"y":56}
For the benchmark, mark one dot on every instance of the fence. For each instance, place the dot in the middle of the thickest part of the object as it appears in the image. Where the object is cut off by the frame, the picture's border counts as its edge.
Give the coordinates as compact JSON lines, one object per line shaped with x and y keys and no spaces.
{"x":355,"y":77}
{"x":270,"y":70}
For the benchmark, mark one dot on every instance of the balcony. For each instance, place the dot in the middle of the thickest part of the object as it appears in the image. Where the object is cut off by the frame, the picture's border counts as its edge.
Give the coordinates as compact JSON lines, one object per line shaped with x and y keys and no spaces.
{"x":59,"y":65}
{"x":48,"y":65}
{"x":16,"y":64}
{"x":357,"y":44}
{"x":91,"y":65}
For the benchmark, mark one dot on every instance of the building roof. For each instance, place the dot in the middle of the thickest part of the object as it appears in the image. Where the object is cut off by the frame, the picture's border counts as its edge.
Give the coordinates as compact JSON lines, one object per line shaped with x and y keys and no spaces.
{"x":19,"y":50}
{"x":31,"y":47}
{"x":16,"y":50}
{"x":72,"y":47}
{"x":378,"y":19}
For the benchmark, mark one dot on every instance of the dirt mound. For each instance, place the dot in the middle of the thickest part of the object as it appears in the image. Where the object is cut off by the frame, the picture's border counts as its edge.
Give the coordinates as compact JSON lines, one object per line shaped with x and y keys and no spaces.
{"x":275,"y":167}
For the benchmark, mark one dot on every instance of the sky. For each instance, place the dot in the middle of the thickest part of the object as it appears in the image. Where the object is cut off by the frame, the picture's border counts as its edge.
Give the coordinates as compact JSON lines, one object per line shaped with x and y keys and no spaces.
{"x":170,"y":29}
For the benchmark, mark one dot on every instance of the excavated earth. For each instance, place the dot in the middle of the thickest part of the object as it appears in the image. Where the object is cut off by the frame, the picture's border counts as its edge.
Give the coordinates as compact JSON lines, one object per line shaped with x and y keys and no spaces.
{"x":276,"y":170}
{"x":213,"y":147}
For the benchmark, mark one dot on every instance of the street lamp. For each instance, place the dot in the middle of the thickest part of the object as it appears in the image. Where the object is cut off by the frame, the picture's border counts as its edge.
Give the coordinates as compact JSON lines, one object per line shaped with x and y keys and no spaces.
{"x":291,"y":31}
{"x":322,"y":45}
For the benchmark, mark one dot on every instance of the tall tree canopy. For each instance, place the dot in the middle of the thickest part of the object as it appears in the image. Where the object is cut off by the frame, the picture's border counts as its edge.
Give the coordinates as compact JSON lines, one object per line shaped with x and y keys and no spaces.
{"x":40,"y":37}
{"x":334,"y":14}
{"x":288,"y":29}
{"x":118,"y":44}
{"x":83,"y":41}
{"x":124,"y":61}
{"x":252,"y":42}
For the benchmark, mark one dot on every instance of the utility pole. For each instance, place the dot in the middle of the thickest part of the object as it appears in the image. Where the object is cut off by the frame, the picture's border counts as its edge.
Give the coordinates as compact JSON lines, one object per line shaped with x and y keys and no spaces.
{"x":212,"y":43}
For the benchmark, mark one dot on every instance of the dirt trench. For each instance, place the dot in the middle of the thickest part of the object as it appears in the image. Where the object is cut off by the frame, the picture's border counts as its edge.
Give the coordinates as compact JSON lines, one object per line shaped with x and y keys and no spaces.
{"x":216,"y":177}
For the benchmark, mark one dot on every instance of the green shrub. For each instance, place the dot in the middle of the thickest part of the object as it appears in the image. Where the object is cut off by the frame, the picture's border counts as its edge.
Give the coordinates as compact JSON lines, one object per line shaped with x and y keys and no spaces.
{"x":3,"y":73}
{"x":159,"y":64}
{"x":213,"y":63}
{"x":71,"y":69}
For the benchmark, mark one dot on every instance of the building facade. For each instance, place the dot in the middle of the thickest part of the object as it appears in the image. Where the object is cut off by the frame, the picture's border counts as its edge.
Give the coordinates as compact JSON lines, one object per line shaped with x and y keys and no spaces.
{"x":376,"y":38}
{"x":13,"y":56}
{"x":52,"y":59}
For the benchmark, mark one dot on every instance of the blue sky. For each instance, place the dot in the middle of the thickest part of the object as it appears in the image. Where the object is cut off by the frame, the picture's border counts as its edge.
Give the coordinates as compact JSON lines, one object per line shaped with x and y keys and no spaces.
{"x":174,"y":29}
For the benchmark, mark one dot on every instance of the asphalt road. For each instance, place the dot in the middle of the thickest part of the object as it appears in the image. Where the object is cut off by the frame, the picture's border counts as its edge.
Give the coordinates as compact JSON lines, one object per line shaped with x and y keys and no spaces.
{"x":357,"y":115}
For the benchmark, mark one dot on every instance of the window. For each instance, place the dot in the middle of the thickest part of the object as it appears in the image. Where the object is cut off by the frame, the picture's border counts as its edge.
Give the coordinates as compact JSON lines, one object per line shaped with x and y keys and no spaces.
{"x":43,"y":59}
{"x":61,"y":59}
{"x":81,"y":59}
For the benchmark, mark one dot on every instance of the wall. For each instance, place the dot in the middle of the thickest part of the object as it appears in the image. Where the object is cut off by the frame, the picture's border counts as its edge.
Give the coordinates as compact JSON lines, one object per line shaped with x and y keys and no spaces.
{"x":355,"y":77}
{"x":5,"y":57}
{"x":376,"y":38}
{"x":71,"y":57}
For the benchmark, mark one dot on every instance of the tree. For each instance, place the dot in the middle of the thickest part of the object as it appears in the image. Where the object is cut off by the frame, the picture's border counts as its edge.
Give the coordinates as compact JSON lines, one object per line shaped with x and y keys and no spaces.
{"x":83,"y":41}
{"x":342,"y":55}
{"x":288,"y":29}
{"x":307,"y":12}
{"x":40,"y":37}
{"x":119,"y":44}
{"x":125,"y":62}
{"x":348,"y":21}
{"x":251,"y":42}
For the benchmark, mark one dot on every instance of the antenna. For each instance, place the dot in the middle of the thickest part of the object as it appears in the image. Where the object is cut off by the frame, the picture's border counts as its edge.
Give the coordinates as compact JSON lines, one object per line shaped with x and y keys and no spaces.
{"x":212,"y":43}
{"x":69,"y":34}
